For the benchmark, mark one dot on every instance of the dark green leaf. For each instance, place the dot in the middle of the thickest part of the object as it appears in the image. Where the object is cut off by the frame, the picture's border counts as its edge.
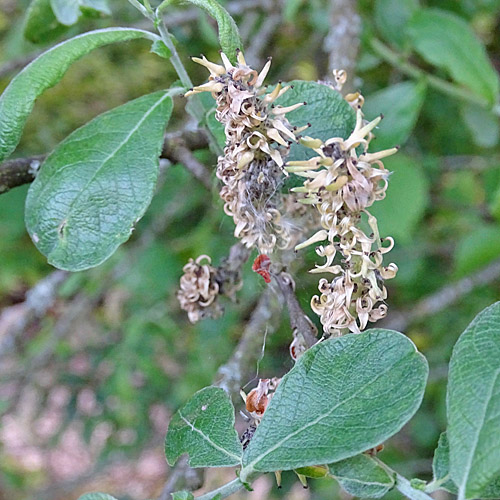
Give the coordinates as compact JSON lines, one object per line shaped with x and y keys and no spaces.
{"x":447,"y":41}
{"x":19,"y":97}
{"x":361,"y":476}
{"x":391,"y":18}
{"x":473,"y":403}
{"x":98,"y":183}
{"x":204,"y":428}
{"x":327,"y":111}
{"x":441,"y":465}
{"x":96,"y":496}
{"x":400,"y":104}
{"x":160,"y":49}
{"x":40,"y":24}
{"x":229,"y":36}
{"x":400,"y":212}
{"x":342,"y":397}
{"x":482,"y":124}
{"x":477,"y":249}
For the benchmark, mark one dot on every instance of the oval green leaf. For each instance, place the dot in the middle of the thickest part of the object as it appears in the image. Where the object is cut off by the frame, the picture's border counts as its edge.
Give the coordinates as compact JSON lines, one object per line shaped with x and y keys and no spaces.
{"x":41,"y":24}
{"x":401,"y":211}
{"x":400,"y":104}
{"x":204,"y":428}
{"x":229,"y":36}
{"x":391,"y":18}
{"x":447,"y":41}
{"x":361,"y":476}
{"x":19,"y":97}
{"x":473,"y":403}
{"x":342,"y":397}
{"x":97,"y":183}
{"x":327,"y":111}
{"x":66,"y":11}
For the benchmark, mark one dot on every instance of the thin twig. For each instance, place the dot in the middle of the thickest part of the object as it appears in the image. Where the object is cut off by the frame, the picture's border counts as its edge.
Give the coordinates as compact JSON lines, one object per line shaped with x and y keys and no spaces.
{"x":230,"y":375}
{"x":443,"y":298}
{"x":38,"y":301}
{"x":14,"y":173}
{"x":299,"y":321}
{"x":260,"y":40}
{"x":342,"y":42}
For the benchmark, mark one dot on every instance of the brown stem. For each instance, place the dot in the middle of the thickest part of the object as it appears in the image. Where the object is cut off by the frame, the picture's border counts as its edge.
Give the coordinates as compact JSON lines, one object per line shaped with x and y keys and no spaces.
{"x":299,"y":321}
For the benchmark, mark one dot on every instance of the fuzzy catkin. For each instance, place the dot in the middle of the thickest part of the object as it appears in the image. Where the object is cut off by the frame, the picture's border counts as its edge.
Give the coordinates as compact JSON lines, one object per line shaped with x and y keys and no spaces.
{"x":342,"y":185}
{"x":258,"y":138}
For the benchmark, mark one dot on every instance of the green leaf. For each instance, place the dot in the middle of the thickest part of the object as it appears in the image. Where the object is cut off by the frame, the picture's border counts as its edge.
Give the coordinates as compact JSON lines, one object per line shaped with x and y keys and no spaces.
{"x":477,"y":249}
{"x":400,"y":104}
{"x":216,"y":128}
{"x":182,"y":495}
{"x":40,"y":23}
{"x":96,"y":496}
{"x":400,"y":212}
{"x":441,"y":465}
{"x":204,"y":428}
{"x":391,"y":18}
{"x":447,"y":41}
{"x":94,"y":7}
{"x":327,"y":111}
{"x":492,"y":490}
{"x":160,"y":49}
{"x":342,"y":397}
{"x":482,"y":124}
{"x":98,"y":183}
{"x":361,"y":476}
{"x":229,"y":36}
{"x":19,"y":97}
{"x":66,"y":11}
{"x":473,"y":403}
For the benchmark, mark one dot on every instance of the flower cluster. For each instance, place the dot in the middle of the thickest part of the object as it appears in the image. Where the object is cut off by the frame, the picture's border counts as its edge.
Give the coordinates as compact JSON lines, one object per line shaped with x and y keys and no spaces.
{"x":342,"y":184}
{"x":199,"y":290}
{"x":258,"y":137}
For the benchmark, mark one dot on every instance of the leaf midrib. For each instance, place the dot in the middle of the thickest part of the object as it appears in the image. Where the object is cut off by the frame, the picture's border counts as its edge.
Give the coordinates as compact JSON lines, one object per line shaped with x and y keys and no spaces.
{"x":318,"y":419}
{"x":105,"y":161}
{"x":206,"y":438}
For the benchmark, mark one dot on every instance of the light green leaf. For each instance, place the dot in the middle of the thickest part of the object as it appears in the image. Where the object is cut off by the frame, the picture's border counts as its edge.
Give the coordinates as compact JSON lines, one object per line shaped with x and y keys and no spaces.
{"x":342,"y":397}
{"x":96,"y":496}
{"x":95,"y":7}
{"x":98,"y":183}
{"x":229,"y":36}
{"x":477,"y":249}
{"x":447,"y":41}
{"x":482,"y":124}
{"x":361,"y":476}
{"x":400,"y":104}
{"x":66,"y":11}
{"x":400,"y":212}
{"x":327,"y":111}
{"x":441,"y":465}
{"x":160,"y":49}
{"x":40,"y":23}
{"x":473,"y":403}
{"x":216,"y":128}
{"x":204,"y":428}
{"x":492,"y":490}
{"x":391,"y":18}
{"x":182,"y":495}
{"x":19,"y":97}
